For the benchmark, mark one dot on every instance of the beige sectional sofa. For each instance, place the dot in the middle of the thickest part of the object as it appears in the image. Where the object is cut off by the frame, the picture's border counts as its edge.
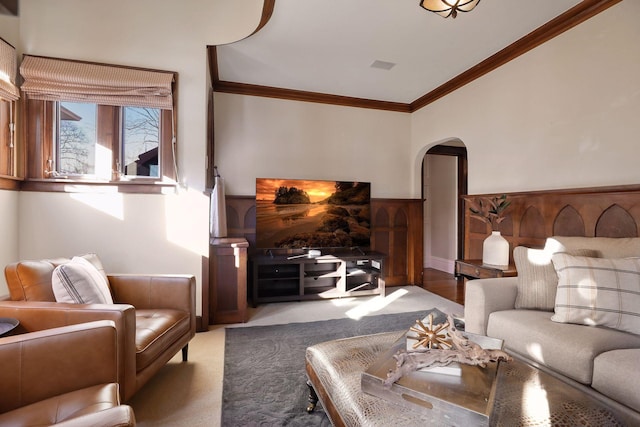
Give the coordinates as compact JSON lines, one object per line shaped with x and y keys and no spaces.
{"x":574,"y":309}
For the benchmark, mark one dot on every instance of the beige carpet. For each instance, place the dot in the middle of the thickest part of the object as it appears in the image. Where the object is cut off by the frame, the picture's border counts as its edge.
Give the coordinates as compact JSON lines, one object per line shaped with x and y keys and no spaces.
{"x":191,"y":393}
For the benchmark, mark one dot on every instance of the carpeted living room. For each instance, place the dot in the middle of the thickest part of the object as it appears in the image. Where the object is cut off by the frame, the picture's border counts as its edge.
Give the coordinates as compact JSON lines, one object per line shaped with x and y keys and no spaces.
{"x":349,"y":213}
{"x":272,"y":390}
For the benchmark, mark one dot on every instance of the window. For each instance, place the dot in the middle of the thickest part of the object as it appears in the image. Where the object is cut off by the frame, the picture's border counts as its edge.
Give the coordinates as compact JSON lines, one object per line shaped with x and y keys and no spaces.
{"x":140,"y":141}
{"x":77,"y":150}
{"x":7,"y":155}
{"x":80,"y":130}
{"x":90,"y":144}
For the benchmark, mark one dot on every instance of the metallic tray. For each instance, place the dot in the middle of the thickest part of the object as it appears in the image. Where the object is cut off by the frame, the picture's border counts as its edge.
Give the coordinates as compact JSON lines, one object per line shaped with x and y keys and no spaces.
{"x":462,"y":400}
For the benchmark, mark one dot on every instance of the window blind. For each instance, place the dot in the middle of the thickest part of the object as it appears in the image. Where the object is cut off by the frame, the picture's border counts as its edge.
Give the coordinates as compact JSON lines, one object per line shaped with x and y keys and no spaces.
{"x":8,"y":67}
{"x":52,"y":79}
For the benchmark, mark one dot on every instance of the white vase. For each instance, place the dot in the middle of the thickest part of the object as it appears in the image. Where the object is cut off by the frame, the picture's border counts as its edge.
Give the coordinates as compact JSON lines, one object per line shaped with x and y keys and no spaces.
{"x":495,"y":250}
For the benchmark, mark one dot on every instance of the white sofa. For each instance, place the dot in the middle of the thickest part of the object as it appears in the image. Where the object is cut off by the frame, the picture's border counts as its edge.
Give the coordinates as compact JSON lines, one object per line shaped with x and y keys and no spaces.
{"x":543,"y":314}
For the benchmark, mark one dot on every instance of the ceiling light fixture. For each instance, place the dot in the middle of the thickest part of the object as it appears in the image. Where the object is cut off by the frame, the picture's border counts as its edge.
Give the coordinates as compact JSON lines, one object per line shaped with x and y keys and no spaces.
{"x":449,"y":8}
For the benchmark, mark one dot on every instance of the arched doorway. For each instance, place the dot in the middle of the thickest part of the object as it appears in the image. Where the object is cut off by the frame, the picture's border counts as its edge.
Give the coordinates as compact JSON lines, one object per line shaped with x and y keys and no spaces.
{"x":444,"y":180}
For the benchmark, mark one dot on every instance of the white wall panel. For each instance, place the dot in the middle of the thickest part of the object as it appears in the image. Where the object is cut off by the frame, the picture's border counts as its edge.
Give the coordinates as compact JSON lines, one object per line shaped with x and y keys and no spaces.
{"x":156,"y":233}
{"x":564,"y":115}
{"x":271,"y":138}
{"x":8,"y":233}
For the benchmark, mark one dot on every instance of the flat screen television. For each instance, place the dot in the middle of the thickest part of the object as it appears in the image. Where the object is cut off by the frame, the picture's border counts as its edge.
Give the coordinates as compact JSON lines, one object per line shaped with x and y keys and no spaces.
{"x":310,"y":214}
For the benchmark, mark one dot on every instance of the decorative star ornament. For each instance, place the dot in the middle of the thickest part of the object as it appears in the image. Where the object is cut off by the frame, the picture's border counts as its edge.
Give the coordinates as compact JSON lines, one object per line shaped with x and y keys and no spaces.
{"x":430,"y":336}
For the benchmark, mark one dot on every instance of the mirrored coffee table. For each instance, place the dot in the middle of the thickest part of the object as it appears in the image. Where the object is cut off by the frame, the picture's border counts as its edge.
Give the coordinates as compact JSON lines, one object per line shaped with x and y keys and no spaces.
{"x":7,"y":324}
{"x":522,"y":395}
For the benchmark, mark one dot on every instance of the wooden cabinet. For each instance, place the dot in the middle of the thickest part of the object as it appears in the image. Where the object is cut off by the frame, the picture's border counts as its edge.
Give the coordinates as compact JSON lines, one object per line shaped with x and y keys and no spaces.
{"x":300,"y":277}
{"x":475,"y":269}
{"x":228,"y":286}
{"x":533,"y":216}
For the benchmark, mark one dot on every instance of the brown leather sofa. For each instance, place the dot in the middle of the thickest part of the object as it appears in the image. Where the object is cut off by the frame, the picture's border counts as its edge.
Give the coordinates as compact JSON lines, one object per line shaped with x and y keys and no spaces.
{"x":154,"y":315}
{"x":64,"y":376}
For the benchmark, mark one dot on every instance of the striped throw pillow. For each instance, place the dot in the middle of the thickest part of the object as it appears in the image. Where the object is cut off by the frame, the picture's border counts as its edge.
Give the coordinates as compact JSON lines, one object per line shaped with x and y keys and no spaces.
{"x":598,"y":291}
{"x":537,"y":279}
{"x":80,"y":282}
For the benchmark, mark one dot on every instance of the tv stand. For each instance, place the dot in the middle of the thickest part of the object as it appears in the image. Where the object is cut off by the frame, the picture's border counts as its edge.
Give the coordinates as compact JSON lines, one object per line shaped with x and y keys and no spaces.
{"x":277,"y":278}
{"x":359,"y":249}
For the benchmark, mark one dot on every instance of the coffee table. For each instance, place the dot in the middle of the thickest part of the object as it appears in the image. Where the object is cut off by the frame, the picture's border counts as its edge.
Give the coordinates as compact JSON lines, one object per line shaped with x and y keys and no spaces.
{"x":524,"y":395}
{"x":8,"y":324}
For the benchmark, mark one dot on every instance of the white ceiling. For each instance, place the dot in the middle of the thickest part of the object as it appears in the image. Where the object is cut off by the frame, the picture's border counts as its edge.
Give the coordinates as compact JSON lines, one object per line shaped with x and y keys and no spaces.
{"x":328,"y":46}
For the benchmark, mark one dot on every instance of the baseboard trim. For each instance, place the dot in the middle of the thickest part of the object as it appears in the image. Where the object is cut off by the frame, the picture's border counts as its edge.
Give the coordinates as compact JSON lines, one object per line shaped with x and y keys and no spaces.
{"x":441,"y":264}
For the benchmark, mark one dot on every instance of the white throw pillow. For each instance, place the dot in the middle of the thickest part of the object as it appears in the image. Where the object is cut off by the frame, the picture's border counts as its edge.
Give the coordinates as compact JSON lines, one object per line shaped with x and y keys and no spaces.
{"x":598,"y":291}
{"x":93,"y":259}
{"x":80,"y":282}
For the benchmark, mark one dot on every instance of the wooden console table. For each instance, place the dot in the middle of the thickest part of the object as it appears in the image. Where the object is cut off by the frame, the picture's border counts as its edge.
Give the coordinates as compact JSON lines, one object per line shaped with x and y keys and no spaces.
{"x":475,"y":269}
{"x":228,"y":280}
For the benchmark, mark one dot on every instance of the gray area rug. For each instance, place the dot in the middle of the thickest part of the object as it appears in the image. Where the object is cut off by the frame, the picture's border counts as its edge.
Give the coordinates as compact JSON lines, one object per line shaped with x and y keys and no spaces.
{"x":264,"y":367}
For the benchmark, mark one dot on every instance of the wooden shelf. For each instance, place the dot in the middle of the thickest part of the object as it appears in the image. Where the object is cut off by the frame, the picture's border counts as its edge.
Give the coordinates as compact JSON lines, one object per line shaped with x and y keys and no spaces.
{"x":475,"y":269}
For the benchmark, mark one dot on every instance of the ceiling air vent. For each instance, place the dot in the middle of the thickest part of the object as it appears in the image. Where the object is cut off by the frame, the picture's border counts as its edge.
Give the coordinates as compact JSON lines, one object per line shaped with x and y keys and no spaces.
{"x":383,"y":65}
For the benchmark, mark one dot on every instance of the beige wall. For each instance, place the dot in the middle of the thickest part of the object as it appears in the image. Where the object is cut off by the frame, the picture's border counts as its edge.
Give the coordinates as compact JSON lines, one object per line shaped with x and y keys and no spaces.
{"x":271,"y":138}
{"x":131,"y":233}
{"x":147,"y":233}
{"x":10,"y":29}
{"x":563,"y":115}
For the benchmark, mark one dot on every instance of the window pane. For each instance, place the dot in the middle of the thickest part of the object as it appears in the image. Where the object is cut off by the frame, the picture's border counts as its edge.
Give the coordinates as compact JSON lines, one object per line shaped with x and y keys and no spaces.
{"x":78,"y":149}
{"x":6,"y":143}
{"x":140,"y":141}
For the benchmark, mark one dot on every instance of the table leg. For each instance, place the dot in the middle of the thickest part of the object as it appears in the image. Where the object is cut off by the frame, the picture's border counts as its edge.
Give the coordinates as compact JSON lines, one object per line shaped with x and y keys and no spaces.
{"x":313,"y":398}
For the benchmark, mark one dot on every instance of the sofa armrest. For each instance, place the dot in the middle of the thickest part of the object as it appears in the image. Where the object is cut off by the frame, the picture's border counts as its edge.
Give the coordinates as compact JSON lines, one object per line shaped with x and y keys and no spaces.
{"x":43,"y":364}
{"x":483,"y":297}
{"x":37,"y":316}
{"x":119,"y":416}
{"x":154,"y":291}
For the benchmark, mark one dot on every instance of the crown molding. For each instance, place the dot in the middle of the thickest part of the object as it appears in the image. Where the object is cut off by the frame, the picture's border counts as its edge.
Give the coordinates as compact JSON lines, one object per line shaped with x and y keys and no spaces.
{"x":553,"y":28}
{"x":299,"y":95}
{"x":564,"y":22}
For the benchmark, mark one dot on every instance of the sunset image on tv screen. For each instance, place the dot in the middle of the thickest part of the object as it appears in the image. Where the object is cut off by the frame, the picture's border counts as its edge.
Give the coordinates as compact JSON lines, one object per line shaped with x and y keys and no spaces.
{"x":312,"y":214}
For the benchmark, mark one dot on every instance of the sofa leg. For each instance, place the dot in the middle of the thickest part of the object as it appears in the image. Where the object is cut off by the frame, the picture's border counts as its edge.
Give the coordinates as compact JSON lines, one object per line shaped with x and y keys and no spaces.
{"x":185,"y":353}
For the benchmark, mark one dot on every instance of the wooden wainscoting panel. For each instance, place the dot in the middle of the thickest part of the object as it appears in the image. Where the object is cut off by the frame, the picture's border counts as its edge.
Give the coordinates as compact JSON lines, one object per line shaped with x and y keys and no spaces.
{"x":396,"y":231}
{"x":241,"y":218}
{"x":536,"y":215}
{"x":569,"y":222}
{"x":616,"y":222}
{"x":532,"y":223}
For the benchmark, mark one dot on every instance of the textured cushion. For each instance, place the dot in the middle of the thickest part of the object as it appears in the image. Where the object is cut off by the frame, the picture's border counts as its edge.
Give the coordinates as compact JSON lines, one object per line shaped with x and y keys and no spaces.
{"x":65,"y":407}
{"x":564,"y":347}
{"x":80,"y":282}
{"x":156,"y":331}
{"x":616,"y":375}
{"x":606,"y":247}
{"x":537,"y":279}
{"x":597,"y":291}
